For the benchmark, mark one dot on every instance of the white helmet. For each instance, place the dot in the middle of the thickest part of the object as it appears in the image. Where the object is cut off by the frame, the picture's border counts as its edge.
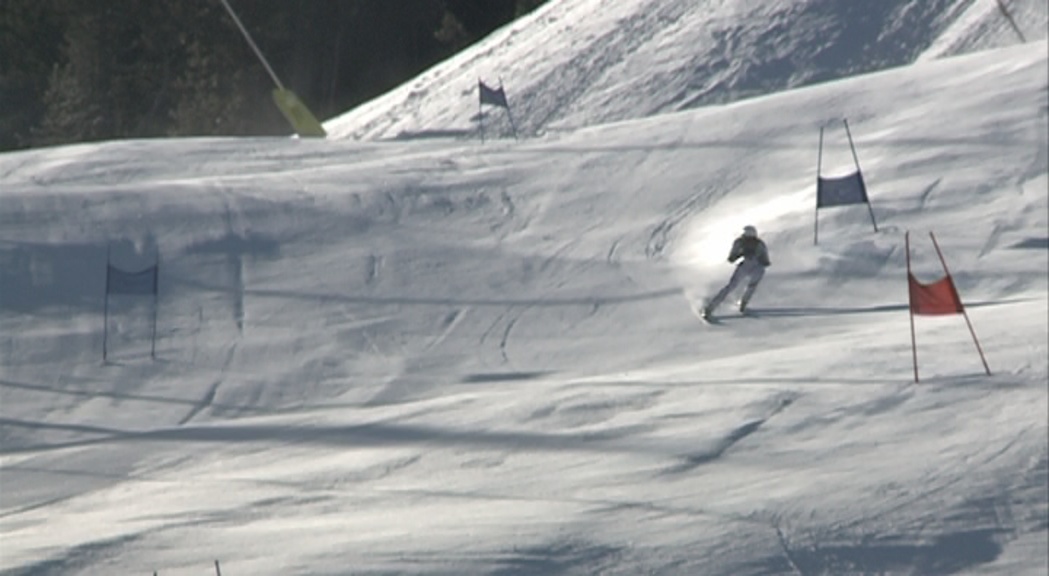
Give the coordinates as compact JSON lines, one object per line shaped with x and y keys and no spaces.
{"x":750,"y":231}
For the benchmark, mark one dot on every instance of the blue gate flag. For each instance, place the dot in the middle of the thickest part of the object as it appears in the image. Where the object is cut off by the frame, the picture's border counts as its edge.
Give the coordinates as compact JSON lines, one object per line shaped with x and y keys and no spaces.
{"x":841,"y":191}
{"x":142,"y":283}
{"x":493,"y":96}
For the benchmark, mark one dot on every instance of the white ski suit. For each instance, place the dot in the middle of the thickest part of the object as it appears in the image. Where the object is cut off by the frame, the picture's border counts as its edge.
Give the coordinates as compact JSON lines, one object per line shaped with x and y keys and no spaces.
{"x":755,"y":257}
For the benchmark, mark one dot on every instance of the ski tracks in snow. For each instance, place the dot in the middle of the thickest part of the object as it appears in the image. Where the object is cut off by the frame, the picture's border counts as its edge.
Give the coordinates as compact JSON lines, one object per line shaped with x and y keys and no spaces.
{"x":209,"y":395}
{"x":507,"y":320}
{"x":660,"y":237}
{"x":448,"y":325}
{"x":691,"y":461}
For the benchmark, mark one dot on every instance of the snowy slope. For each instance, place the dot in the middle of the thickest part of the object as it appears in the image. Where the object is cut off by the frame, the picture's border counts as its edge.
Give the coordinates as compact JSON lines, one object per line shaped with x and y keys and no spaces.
{"x":442,"y":357}
{"x":982,"y":26}
{"x":580,"y":63}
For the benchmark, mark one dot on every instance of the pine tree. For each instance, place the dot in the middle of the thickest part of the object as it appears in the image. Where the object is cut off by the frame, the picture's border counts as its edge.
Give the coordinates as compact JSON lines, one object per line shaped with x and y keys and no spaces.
{"x":95,"y":69}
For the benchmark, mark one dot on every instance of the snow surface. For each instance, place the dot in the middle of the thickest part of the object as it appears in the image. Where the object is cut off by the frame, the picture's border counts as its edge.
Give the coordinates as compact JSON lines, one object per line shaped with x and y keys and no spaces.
{"x":576,"y":63}
{"x":438,"y":356}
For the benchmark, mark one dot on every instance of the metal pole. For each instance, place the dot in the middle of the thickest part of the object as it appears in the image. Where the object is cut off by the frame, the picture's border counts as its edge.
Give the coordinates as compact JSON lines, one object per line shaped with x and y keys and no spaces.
{"x":156,"y":304}
{"x":1012,"y":22}
{"x":819,"y":169}
{"x":869,"y":208}
{"x":510,"y":116}
{"x":819,"y":155}
{"x":105,"y":310}
{"x":964,"y":313}
{"x":251,"y":43}
{"x":910,"y":304}
{"x":851,"y":146}
{"x":859,"y":172}
{"x":480,"y":110}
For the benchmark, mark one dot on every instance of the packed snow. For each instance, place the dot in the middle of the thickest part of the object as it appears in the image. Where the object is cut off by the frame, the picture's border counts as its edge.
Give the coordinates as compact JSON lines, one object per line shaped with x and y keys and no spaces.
{"x":581,"y":63}
{"x":443,"y":356}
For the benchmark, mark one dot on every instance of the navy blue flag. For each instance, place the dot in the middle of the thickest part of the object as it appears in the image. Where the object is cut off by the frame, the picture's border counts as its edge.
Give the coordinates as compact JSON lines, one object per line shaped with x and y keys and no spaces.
{"x":841,"y":191}
{"x":137,"y":283}
{"x":495,"y":97}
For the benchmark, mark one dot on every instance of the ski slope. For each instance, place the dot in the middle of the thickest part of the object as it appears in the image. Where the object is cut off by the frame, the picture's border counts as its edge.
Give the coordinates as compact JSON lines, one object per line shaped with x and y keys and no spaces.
{"x":578,"y":63}
{"x":435,"y":356}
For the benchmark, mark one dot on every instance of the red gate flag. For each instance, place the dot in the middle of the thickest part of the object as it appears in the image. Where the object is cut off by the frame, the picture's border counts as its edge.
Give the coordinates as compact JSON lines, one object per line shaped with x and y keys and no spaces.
{"x":934,"y":299}
{"x":937,"y":299}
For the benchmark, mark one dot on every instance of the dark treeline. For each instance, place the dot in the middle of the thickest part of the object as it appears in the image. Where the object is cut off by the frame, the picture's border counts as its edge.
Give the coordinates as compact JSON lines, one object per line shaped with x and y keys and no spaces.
{"x":83,"y":70}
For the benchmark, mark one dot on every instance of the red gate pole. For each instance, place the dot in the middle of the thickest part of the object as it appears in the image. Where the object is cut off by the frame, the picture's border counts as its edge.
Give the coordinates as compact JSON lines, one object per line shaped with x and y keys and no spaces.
{"x":964,"y":313}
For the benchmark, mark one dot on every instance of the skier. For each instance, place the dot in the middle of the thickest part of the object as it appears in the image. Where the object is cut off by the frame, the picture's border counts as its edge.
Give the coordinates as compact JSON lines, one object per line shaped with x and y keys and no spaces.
{"x":755,"y":257}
